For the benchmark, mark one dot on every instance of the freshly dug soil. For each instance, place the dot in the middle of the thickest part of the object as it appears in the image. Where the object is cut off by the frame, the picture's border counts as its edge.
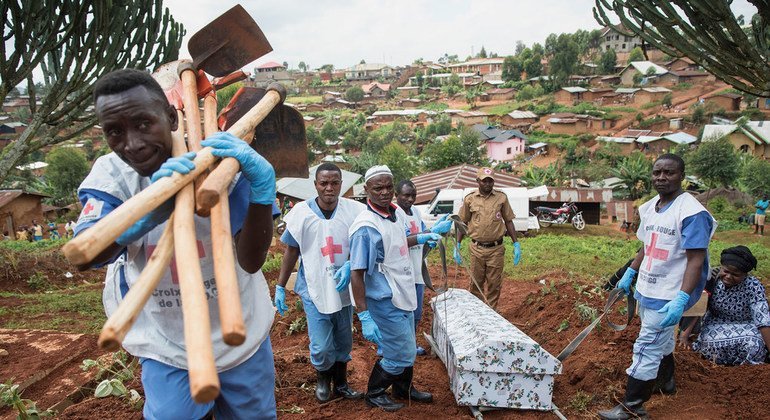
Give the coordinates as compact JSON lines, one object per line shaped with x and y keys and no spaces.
{"x":34,"y":272}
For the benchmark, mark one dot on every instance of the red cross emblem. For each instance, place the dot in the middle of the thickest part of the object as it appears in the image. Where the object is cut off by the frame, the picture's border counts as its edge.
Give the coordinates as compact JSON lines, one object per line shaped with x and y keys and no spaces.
{"x":404,"y":249}
{"x":655,"y":253}
{"x":413,"y":228}
{"x":87,"y":209}
{"x":330,"y":249}
{"x":172,"y":266}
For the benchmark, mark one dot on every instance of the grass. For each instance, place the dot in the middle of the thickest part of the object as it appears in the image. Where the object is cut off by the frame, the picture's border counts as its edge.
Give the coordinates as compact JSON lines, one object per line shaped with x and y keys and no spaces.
{"x":54,"y":310}
{"x":314,"y":99}
{"x":502,"y":109}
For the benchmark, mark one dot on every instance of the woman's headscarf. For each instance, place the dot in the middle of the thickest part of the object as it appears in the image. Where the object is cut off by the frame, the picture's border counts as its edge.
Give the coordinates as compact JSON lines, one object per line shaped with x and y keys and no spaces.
{"x":739,"y":257}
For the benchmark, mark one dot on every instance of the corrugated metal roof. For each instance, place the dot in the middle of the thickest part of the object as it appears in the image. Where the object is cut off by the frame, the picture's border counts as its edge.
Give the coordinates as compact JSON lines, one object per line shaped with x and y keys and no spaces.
{"x":537,"y":145}
{"x":643,"y":66}
{"x":507,"y":135}
{"x":626,"y":90}
{"x":619,"y":140}
{"x":522,"y":114}
{"x":714,"y":131}
{"x":574,"y":89}
{"x":402,"y":112}
{"x":656,"y":89}
{"x":303,"y":188}
{"x":461,"y":176}
{"x":6,"y":196}
{"x":681,"y":138}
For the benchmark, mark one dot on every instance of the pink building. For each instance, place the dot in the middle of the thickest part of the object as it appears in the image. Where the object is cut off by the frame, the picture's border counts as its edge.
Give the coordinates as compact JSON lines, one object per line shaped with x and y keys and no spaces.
{"x":502,"y":145}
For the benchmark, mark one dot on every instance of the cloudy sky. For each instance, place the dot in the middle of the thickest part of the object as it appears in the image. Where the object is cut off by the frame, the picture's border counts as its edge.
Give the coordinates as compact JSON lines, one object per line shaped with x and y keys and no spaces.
{"x":343,"y":32}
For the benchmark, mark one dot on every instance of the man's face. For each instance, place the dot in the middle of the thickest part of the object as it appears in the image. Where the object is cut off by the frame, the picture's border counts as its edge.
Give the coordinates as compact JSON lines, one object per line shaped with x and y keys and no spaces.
{"x":406,"y":197}
{"x":379,"y":190}
{"x":485,"y":185}
{"x":667,"y":176}
{"x":137,"y":126}
{"x":328,"y":185}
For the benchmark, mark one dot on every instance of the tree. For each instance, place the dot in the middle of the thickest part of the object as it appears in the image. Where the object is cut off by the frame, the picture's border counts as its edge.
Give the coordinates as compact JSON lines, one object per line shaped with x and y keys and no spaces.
{"x":286,"y":65}
{"x":362,"y":61}
{"x":637,"y":78}
{"x":705,"y":31}
{"x":471,"y":96}
{"x":667,"y":99}
{"x":482,"y":53}
{"x":755,"y":177}
{"x":512,"y":69}
{"x":715,"y":162}
{"x":396,"y":156}
{"x":302,"y":66}
{"x":67,"y":168}
{"x":533,"y":66}
{"x":635,"y":174}
{"x":608,"y":61}
{"x":519,"y":48}
{"x":354,"y":94}
{"x":698,"y":114}
{"x":73,"y":44}
{"x":455,"y":150}
{"x":329,"y":132}
{"x":636,"y":55}
{"x":327,"y":68}
{"x":225,"y":94}
{"x":565,"y":58}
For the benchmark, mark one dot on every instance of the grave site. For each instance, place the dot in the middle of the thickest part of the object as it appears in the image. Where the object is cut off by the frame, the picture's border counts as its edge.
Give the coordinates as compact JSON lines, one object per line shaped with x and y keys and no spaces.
{"x":46,"y":345}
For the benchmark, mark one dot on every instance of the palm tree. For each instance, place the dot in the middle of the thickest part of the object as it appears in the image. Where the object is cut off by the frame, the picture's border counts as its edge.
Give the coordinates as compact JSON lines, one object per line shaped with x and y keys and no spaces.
{"x":635,"y":175}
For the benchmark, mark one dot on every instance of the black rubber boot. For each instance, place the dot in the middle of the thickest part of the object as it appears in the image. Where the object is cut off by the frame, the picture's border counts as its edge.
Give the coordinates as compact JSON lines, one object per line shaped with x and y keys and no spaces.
{"x":404,"y":389}
{"x":341,"y":388}
{"x":637,"y":393}
{"x":323,"y":385}
{"x":376,"y":396}
{"x":665,"y":383}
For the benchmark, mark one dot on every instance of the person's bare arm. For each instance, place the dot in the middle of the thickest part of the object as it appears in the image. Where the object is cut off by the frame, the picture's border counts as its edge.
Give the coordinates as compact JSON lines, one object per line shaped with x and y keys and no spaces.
{"x":511,"y":229}
{"x":290,"y":257}
{"x":692,"y":274}
{"x":359,"y":289}
{"x":684,"y":335}
{"x":765,"y":332}
{"x":637,"y":262}
{"x":253,"y":242}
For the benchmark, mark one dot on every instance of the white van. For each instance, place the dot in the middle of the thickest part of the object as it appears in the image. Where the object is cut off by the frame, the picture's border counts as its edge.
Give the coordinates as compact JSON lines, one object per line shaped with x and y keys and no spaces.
{"x":449,"y":201}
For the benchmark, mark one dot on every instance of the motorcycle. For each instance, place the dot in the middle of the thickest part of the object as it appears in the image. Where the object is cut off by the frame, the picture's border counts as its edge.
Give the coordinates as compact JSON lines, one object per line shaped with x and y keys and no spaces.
{"x":567,"y":213}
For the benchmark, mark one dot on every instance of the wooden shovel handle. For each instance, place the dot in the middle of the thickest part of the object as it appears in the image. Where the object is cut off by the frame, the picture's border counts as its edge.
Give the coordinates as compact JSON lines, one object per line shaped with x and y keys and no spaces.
{"x":121,"y":321}
{"x":221,"y":177}
{"x":204,"y":382}
{"x":228,"y":293}
{"x":88,"y":244}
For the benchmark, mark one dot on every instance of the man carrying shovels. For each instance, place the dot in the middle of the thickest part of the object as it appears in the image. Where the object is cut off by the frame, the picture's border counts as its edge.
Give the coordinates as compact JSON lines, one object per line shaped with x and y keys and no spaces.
{"x":383,"y":290}
{"x":317,"y":230}
{"x":137,"y":122}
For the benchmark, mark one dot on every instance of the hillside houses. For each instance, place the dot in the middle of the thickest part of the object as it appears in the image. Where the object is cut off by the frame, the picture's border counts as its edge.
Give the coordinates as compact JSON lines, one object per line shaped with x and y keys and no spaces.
{"x":648,"y":141}
{"x":572,"y":124}
{"x":613,"y":39}
{"x":376,"y":90}
{"x":570,"y":95}
{"x":369,"y":71}
{"x":725,"y":100}
{"x":501,"y":145}
{"x":518,"y":119}
{"x":478,"y":66}
{"x":643,"y":67}
{"x":750,"y":137}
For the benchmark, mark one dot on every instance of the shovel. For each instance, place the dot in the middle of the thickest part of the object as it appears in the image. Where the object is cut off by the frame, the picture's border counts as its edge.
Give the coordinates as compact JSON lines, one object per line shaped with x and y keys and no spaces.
{"x":228,"y":43}
{"x":280,"y":138}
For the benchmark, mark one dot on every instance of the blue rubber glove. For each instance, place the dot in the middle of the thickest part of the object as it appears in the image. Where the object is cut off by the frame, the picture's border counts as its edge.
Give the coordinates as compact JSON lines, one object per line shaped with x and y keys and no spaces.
{"x":428,"y":238}
{"x":516,"y":253}
{"x":442,"y":226}
{"x":182,"y":164}
{"x":625,"y":281}
{"x":256,"y":169}
{"x":674,"y":309}
{"x":342,"y":275}
{"x":370,"y":330}
{"x":280,"y":299}
{"x":458,"y":257}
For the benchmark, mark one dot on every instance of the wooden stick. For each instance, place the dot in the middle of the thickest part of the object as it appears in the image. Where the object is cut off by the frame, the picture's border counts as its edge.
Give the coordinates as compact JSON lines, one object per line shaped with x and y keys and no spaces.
{"x":204,"y":382}
{"x":121,"y":321}
{"x":87,"y":245}
{"x":221,"y":177}
{"x":228,"y":292}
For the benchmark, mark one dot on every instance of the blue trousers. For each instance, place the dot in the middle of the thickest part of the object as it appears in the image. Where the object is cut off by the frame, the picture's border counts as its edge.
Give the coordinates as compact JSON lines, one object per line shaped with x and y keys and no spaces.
{"x":420,"y":289}
{"x":331,"y":335}
{"x":654,"y":343}
{"x":398,"y":339}
{"x":247,"y":390}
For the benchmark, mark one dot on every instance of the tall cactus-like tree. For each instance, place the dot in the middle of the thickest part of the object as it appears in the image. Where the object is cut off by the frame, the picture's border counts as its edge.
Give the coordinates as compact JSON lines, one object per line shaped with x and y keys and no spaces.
{"x":73,"y":43}
{"x":706,"y":31}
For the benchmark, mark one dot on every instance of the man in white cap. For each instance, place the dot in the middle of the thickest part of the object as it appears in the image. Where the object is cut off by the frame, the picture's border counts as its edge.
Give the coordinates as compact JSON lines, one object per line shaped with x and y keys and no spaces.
{"x":382,"y":281}
{"x":317,"y":232}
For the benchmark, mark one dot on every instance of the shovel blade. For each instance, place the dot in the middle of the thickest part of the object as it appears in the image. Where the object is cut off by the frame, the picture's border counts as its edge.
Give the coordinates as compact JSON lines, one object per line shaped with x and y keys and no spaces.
{"x":279,"y":138}
{"x":228,"y":43}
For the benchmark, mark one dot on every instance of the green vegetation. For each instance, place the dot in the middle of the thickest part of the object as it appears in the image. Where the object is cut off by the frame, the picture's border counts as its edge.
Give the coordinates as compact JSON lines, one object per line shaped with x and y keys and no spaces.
{"x":504,"y":108}
{"x":77,"y":309}
{"x":119,"y":371}
{"x":310,"y":99}
{"x":715,"y":162}
{"x":26,"y":409}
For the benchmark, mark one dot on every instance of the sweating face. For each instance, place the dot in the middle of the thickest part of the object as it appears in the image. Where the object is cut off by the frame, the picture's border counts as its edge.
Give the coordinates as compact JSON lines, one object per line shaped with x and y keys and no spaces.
{"x":406,"y":197}
{"x":137,"y":126}
{"x":667,"y":176}
{"x":379,"y":190}
{"x":328,"y":185}
{"x":485,"y":185}
{"x":731,"y":276}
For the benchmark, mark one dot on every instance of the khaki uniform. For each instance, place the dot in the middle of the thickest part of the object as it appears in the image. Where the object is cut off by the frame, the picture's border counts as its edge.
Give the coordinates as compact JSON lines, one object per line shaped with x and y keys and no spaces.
{"x":486,"y":218}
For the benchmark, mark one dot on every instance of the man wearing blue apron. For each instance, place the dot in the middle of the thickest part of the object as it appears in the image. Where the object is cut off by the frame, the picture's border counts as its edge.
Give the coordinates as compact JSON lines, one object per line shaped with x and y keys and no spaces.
{"x":317,"y":230}
{"x":382,"y":282}
{"x":672,"y":269}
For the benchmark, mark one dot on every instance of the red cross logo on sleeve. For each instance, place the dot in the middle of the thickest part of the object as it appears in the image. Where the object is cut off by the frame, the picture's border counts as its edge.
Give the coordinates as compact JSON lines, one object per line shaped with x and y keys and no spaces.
{"x":413,"y":228}
{"x":330,"y":249}
{"x":654,"y":253}
{"x":87,"y":209}
{"x":172,"y":265}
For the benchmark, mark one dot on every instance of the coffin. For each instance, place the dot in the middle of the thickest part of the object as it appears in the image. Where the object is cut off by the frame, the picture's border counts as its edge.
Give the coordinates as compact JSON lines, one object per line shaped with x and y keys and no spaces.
{"x":490,"y":362}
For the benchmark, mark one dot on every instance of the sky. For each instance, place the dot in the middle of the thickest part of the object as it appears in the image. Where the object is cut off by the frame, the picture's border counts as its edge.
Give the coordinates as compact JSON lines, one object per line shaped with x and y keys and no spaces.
{"x":396,"y":32}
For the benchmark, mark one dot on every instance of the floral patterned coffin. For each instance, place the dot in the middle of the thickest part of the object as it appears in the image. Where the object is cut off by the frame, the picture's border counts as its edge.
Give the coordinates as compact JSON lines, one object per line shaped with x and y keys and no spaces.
{"x":490,"y":362}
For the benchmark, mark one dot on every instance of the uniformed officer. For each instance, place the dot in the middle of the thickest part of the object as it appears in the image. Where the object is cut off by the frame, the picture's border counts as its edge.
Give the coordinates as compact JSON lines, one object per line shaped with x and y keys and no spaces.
{"x":489,"y":217}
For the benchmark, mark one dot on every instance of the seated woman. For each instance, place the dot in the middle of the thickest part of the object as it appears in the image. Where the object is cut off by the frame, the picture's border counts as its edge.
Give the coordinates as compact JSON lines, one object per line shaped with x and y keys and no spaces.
{"x":736,"y":326}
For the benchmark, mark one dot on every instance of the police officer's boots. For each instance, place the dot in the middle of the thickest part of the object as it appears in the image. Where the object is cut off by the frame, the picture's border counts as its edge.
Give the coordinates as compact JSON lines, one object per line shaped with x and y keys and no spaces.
{"x":637,"y":393}
{"x":341,"y":387}
{"x":404,"y":389}
{"x":665,"y":383}
{"x":323,"y":385}
{"x":376,"y":396}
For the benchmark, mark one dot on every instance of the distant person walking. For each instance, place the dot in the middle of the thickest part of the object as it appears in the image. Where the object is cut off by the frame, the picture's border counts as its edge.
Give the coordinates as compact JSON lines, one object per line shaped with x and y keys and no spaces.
{"x":37,"y":231}
{"x":759,"y":218}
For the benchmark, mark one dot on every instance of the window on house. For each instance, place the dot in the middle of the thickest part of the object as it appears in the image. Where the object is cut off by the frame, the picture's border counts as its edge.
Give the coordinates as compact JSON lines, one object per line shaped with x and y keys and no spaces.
{"x":744,"y":148}
{"x":624,"y":46}
{"x":508,"y":151}
{"x":617,"y":37}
